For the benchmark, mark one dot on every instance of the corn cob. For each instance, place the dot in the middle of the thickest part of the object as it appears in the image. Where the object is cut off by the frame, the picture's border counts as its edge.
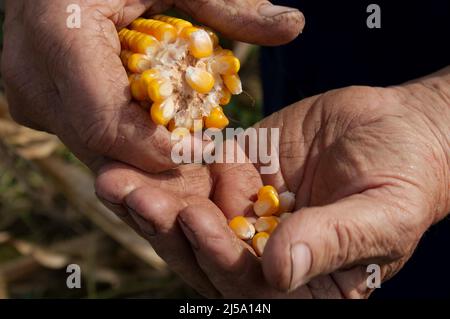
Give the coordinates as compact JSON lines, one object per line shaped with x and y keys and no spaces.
{"x":258,"y":230}
{"x":181,"y":70}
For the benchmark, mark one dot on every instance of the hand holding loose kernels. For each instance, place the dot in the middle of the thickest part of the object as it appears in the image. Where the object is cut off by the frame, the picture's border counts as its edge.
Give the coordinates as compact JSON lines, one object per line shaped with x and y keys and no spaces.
{"x":181,"y":70}
{"x":272,"y":208}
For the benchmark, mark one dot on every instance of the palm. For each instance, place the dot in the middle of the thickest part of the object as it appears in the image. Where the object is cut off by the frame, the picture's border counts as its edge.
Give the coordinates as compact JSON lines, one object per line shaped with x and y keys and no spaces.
{"x":332,"y":149}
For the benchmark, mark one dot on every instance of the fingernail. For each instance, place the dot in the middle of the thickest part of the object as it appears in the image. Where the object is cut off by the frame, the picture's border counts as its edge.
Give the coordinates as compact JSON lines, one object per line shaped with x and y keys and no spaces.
{"x":188,"y":233}
{"x":269,"y":10}
{"x":146,"y":226}
{"x":301,"y":264}
{"x":117,"y":209}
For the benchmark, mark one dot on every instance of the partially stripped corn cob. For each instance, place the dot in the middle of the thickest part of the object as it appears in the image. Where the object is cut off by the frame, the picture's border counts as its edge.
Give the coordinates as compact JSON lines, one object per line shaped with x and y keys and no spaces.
{"x":273,"y":208}
{"x":181,"y":69}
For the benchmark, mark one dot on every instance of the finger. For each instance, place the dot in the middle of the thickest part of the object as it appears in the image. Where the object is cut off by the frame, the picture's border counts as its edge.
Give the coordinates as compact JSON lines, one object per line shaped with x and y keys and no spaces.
{"x":122,"y":213}
{"x":353,"y":282}
{"x":324,"y":287}
{"x":360,"y":281}
{"x":235,"y":188}
{"x":226,"y":260}
{"x":255,"y":21}
{"x":116,"y":180}
{"x":360,"y":229}
{"x":155,"y":212}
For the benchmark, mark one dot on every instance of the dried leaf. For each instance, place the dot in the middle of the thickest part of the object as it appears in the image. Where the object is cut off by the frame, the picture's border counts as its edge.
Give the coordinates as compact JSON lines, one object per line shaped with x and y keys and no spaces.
{"x":4,"y":237}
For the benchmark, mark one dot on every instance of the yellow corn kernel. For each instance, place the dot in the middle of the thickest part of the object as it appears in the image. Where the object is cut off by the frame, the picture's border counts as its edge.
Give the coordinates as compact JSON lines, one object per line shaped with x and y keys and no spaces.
{"x":266,"y":189}
{"x":216,"y":119}
{"x":199,"y":80}
{"x":162,"y":112}
{"x":267,"y":204}
{"x":287,"y":202}
{"x":160,"y":30}
{"x":221,"y":51}
{"x":266,"y":224}
{"x":225,"y":97}
{"x":212,"y":35}
{"x":242,"y":228}
{"x":122,"y":40}
{"x":138,"y":63}
{"x":226,"y":64}
{"x":179,"y":24}
{"x":150,"y":75}
{"x":138,"y":91}
{"x":125,"y":56}
{"x":233,"y":83}
{"x":200,"y":44}
{"x":259,"y":242}
{"x":159,"y":90}
{"x":283,"y":216}
{"x":139,"y":42}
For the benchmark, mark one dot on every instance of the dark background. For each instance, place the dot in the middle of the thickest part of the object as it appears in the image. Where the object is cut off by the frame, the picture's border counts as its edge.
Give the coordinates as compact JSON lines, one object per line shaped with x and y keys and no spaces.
{"x":337,"y":49}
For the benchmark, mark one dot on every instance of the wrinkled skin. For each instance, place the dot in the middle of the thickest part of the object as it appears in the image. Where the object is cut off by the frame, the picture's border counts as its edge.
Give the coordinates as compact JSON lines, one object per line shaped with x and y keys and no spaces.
{"x":370,"y":169}
{"x":71,"y":82}
{"x":370,"y":166}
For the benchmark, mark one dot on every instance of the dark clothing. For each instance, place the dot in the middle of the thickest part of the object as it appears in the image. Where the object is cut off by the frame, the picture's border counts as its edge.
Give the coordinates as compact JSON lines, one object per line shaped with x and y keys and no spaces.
{"x":337,"y":49}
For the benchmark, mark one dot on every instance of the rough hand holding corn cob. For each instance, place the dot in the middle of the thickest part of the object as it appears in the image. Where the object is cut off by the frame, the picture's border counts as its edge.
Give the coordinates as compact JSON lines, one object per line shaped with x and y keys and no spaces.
{"x":181,"y":70}
{"x":273,"y":208}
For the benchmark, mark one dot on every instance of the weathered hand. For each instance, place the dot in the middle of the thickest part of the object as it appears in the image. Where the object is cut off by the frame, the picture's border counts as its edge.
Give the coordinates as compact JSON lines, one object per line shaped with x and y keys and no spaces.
{"x":71,"y":81}
{"x":370,"y":169}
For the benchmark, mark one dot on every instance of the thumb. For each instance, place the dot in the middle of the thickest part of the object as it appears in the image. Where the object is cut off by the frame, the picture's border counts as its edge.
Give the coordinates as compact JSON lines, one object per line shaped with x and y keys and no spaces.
{"x":254,"y":21}
{"x":357,"y":230}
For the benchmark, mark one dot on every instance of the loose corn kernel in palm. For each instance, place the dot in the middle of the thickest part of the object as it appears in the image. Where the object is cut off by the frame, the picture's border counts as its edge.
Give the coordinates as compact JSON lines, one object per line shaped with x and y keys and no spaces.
{"x":162,"y":112}
{"x":216,"y":119}
{"x":259,"y":242}
{"x":266,"y":224}
{"x":267,"y":203}
{"x":199,"y":80}
{"x":200,"y":43}
{"x":226,"y":64}
{"x":233,"y":83}
{"x":242,"y":228}
{"x":169,"y":58}
{"x":162,"y":31}
{"x":287,"y":202}
{"x":179,"y":24}
{"x":266,"y":189}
